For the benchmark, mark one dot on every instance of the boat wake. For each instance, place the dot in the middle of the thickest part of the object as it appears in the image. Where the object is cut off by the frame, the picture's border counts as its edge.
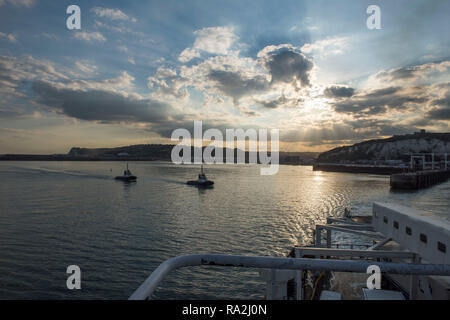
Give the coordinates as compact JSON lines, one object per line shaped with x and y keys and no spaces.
{"x":61,"y":172}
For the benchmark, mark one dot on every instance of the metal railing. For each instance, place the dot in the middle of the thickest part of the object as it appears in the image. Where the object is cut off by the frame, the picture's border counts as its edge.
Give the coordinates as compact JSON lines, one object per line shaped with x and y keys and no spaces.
{"x":369,"y":254}
{"x":151,"y":283}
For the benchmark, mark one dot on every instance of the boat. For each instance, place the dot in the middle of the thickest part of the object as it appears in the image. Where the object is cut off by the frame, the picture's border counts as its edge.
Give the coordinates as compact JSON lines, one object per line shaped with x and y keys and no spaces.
{"x":202,"y":181}
{"x":127,"y":176}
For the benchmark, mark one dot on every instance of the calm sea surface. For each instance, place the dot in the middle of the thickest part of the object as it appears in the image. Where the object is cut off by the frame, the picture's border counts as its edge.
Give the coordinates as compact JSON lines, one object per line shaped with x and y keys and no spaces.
{"x":55,"y":214}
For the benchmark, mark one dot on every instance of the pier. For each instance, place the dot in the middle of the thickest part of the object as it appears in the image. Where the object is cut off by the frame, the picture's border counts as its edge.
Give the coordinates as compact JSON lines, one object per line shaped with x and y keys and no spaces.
{"x":356,"y":168}
{"x":419,"y":179}
{"x":423,"y":173}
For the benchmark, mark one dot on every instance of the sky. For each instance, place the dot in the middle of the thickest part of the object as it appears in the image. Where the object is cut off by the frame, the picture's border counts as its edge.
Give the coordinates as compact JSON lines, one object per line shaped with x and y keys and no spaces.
{"x":138,"y":70}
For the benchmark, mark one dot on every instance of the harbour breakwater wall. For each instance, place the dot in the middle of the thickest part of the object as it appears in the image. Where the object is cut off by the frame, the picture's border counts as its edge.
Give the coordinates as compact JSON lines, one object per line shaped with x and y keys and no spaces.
{"x":418,"y":179}
{"x":384,"y":170}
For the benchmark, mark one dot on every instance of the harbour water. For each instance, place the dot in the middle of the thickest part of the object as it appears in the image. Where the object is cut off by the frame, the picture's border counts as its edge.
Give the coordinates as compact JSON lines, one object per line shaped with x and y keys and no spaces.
{"x":56,"y":214}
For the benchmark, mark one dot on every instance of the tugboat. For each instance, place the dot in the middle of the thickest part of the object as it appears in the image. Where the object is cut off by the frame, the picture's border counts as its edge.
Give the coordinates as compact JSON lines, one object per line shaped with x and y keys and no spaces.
{"x":127,"y":176}
{"x":202,"y":181}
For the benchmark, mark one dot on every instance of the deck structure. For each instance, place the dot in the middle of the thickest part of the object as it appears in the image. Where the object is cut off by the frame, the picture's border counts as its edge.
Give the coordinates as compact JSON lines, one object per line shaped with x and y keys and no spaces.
{"x":408,"y":247}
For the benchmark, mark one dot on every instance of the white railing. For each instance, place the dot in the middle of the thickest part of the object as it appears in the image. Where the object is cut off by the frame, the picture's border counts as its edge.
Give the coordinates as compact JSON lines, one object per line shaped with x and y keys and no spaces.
{"x":147,"y":288}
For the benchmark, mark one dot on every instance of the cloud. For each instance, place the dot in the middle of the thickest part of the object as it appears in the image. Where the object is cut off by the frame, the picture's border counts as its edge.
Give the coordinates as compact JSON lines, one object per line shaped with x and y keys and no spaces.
{"x":168,"y":83}
{"x":213,"y":40}
{"x":89,"y":36}
{"x":10,"y":37}
{"x":243,"y":79}
{"x":17,"y":73}
{"x":336,"y":132}
{"x":372,"y":128}
{"x":234,"y":85}
{"x":217,"y":76}
{"x":338,"y":92}
{"x":440,"y":108}
{"x":286,"y":65}
{"x":273,"y":104}
{"x":50,"y":36}
{"x":325,"y":132}
{"x":113,"y":14}
{"x":99,"y":105}
{"x":15,"y":77}
{"x":219,"y":82}
{"x":381,"y":100}
{"x":188,"y":54}
{"x":110,"y":100}
{"x":123,"y":49}
{"x":23,"y":3}
{"x":412,"y":73}
{"x":86,"y":67}
{"x":250,"y":113}
{"x":14,"y":71}
{"x":439,"y":114}
{"x":280,"y":101}
{"x":165,"y":129}
{"x":328,"y":46}
{"x":122,"y":84}
{"x":120,"y":28}
{"x":7,"y":114}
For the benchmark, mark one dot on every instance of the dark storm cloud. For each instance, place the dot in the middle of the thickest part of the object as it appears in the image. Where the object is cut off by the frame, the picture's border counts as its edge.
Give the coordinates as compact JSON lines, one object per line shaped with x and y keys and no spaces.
{"x":380,"y":101}
{"x":284,"y":66}
{"x":441,"y":108}
{"x":439,"y":114}
{"x":99,"y":105}
{"x":111,"y":107}
{"x":234,"y":85}
{"x":273,"y":104}
{"x":287,"y":65}
{"x":359,"y":107}
{"x":339,"y":92}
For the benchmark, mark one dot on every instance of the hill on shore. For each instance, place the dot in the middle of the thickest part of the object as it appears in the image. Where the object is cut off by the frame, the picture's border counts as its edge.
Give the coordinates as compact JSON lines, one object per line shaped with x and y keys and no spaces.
{"x":156,"y":151}
{"x":398,"y":147}
{"x":394,"y":148}
{"x":163,"y":152}
{"x":144,"y":152}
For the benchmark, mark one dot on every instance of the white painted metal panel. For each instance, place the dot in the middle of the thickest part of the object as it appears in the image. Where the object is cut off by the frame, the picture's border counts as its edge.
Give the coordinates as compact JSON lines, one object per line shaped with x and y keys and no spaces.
{"x":414,"y":230}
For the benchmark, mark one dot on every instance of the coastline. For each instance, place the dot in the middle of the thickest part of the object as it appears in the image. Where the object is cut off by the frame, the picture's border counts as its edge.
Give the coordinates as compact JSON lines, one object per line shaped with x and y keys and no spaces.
{"x":58,"y":157}
{"x":21,"y":157}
